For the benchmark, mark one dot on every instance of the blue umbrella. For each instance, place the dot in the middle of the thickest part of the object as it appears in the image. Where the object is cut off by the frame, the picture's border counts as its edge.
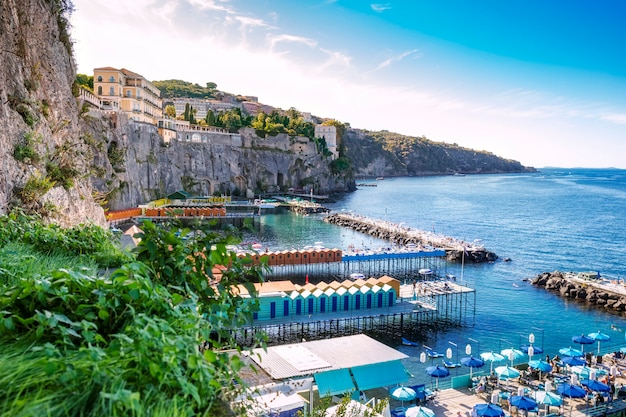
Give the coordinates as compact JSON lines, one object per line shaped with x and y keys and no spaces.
{"x":541,"y":366}
{"x":570,"y":352}
{"x":488,"y":410}
{"x":403,"y":394}
{"x":472,"y":363}
{"x":573,"y":361}
{"x":599,"y":337}
{"x":595,"y":385}
{"x":523,"y":402}
{"x":571,"y":391}
{"x":582,"y":340}
{"x":437,"y":371}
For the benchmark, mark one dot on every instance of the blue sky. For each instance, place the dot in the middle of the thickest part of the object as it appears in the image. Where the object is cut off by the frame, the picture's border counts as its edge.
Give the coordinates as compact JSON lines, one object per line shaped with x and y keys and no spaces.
{"x":541,"y":82}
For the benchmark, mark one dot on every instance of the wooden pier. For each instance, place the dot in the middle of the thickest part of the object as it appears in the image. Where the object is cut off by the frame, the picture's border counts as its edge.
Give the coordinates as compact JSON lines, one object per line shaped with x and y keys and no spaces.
{"x":429,"y":305}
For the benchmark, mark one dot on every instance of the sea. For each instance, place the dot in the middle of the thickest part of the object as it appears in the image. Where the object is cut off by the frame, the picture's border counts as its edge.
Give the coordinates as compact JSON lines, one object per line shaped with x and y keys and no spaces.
{"x":554,"y":219}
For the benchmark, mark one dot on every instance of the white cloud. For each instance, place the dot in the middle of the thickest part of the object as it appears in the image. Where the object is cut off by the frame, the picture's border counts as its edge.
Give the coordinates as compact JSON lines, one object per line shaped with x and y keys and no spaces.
{"x":393,"y":59}
{"x":379,"y":8}
{"x":619,"y":119}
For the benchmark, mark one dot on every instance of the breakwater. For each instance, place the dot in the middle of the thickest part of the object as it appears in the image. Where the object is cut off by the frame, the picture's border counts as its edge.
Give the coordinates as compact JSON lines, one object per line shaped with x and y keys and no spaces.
{"x":456,"y":250}
{"x":600,"y":292}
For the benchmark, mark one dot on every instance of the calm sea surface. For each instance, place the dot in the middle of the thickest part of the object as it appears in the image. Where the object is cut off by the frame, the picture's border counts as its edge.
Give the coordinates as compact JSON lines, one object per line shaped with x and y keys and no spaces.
{"x":557,"y":219}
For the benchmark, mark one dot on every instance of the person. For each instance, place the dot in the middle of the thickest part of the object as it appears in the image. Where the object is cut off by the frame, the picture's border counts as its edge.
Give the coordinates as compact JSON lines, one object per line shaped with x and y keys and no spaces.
{"x":458,"y":414}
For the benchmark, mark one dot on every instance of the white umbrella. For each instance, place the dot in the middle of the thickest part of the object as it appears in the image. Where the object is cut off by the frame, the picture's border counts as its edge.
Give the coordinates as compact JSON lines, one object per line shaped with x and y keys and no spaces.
{"x":512,"y":354}
{"x":491,"y":357}
{"x":419,"y":412}
{"x":548,"y":398}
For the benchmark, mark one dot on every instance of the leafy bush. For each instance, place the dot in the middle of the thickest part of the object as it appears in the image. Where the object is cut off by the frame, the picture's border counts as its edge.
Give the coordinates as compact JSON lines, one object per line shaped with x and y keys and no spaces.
{"x":150,"y":339}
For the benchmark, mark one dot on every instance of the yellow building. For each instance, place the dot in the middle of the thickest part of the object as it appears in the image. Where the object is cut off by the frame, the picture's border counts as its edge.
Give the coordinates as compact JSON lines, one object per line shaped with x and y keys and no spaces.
{"x":127,"y":91}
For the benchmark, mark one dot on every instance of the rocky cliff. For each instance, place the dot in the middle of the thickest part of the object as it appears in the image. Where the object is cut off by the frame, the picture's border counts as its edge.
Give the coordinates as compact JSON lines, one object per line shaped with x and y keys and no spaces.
{"x":391,"y":154}
{"x":139,"y":166}
{"x":43,"y":154}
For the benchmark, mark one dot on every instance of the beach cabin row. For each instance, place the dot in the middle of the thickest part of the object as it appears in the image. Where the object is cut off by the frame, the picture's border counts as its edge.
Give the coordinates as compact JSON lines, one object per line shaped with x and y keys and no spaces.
{"x":112,"y":216}
{"x":283,"y":299}
{"x":297,"y":257}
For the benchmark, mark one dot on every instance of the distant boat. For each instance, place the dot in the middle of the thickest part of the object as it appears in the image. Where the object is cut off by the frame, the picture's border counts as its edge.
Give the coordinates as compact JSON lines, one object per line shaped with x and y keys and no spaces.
{"x":380,"y":178}
{"x":425,"y":271}
{"x":407,"y":342}
{"x":450,"y":364}
{"x":433,"y":354}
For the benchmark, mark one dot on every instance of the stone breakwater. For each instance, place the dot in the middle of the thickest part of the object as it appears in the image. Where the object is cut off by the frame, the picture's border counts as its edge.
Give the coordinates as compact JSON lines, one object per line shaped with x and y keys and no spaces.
{"x":607,"y":294}
{"x":456,"y":250}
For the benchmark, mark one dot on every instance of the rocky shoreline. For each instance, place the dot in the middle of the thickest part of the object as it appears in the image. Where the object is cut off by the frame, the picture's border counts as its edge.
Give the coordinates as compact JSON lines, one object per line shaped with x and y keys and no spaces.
{"x":456,"y":251}
{"x":601,"y":293}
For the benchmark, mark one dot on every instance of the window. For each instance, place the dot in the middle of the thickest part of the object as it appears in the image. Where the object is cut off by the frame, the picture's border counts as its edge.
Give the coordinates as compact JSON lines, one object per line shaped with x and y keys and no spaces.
{"x":128,"y":93}
{"x":111,"y":91}
{"x":99,"y":78}
{"x":99,"y":90}
{"x":111,"y":79}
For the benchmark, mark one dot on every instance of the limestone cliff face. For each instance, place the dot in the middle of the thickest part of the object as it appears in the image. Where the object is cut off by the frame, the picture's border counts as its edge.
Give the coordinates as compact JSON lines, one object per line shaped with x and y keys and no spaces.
{"x":391,"y":154}
{"x":139,"y":167}
{"x":42,"y":152}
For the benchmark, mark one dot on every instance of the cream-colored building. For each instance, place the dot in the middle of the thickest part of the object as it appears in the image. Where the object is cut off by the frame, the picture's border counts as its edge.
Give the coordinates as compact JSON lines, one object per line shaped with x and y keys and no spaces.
{"x":330,"y":134}
{"x":127,"y":91}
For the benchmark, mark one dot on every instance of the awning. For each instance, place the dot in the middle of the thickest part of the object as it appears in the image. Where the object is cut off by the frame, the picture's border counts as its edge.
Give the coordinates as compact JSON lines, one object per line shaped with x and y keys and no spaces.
{"x":337,"y":381}
{"x":379,"y":375}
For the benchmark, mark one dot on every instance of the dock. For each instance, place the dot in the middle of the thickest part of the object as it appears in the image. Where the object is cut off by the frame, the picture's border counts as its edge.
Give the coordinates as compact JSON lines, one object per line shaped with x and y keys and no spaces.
{"x":456,"y":250}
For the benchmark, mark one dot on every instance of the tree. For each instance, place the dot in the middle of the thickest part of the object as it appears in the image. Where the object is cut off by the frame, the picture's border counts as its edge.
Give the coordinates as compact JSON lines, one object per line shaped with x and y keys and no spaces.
{"x":170,"y":111}
{"x":210,"y":118}
{"x":85,"y":81}
{"x":187,"y":111}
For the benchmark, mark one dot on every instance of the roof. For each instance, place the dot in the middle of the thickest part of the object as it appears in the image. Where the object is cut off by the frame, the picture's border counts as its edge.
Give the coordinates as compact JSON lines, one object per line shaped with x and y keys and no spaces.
{"x":179,"y":195}
{"x":307,"y":358}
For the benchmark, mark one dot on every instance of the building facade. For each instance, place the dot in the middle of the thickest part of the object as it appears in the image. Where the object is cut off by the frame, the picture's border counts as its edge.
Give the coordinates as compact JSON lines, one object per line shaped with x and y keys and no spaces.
{"x":129,"y":92}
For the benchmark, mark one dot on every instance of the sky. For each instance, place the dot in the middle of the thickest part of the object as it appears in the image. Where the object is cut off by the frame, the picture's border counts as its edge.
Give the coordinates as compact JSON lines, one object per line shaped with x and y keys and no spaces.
{"x":540,"y":82}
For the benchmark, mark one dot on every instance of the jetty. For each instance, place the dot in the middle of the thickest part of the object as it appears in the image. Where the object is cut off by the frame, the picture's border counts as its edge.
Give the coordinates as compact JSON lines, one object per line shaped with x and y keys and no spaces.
{"x":456,"y":250}
{"x":587,"y":287}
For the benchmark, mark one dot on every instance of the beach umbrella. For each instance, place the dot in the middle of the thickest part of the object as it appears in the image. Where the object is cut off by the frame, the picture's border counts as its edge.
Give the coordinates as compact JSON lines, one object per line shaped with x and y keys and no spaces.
{"x":488,"y":410}
{"x":403,"y":394}
{"x":571,"y":391}
{"x":512,"y":354}
{"x":599,"y":337}
{"x":507,"y":372}
{"x":587,"y":372}
{"x":472,"y":362}
{"x":437,"y":371}
{"x":568,"y":351}
{"x":548,"y":399}
{"x":582,"y":340}
{"x":541,"y":366}
{"x":573,"y":360}
{"x":523,"y":402}
{"x":491,"y":357}
{"x":419,"y":412}
{"x":595,"y":385}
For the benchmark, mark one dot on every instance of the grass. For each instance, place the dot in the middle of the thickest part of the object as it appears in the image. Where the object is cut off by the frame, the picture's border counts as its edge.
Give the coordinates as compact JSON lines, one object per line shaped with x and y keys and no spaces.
{"x":19,"y":260}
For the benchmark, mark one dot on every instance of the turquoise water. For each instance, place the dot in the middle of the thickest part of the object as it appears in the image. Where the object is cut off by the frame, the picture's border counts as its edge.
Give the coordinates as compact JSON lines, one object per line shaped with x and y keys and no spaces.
{"x":568,"y":220}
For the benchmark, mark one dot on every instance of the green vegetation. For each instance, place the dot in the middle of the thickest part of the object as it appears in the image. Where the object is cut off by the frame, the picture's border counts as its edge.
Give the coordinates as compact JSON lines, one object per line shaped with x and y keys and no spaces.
{"x":25,"y":152}
{"x":274,"y":123}
{"x":179,"y":88}
{"x":85,"y":81}
{"x":36,"y":186}
{"x":150,"y":338}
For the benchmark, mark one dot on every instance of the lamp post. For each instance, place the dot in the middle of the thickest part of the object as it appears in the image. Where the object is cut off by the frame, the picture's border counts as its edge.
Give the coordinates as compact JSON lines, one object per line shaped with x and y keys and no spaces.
{"x":477,"y":344}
